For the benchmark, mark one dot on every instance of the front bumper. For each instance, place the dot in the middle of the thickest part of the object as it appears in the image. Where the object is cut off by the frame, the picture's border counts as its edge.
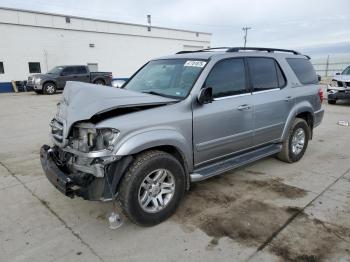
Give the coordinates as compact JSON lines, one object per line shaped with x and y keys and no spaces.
{"x":82,"y":184}
{"x":338,"y":93}
{"x":36,"y":87}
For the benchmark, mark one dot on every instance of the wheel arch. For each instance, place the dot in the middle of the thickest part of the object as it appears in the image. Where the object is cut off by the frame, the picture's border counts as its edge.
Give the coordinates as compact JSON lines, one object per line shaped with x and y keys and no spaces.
{"x":303,"y":110}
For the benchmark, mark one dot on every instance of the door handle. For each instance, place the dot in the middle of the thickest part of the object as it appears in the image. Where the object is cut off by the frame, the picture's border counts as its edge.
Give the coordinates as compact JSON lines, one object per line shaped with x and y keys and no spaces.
{"x":243,"y":107}
{"x":288,"y":98}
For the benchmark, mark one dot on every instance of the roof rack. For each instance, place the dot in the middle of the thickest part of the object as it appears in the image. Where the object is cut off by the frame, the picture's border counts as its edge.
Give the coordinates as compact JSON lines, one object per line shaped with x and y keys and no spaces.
{"x":237,"y":49}
{"x":270,"y":50}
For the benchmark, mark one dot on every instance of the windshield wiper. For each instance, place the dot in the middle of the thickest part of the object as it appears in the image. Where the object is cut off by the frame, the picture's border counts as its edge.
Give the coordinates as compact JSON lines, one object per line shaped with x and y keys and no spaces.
{"x":160,"y":94}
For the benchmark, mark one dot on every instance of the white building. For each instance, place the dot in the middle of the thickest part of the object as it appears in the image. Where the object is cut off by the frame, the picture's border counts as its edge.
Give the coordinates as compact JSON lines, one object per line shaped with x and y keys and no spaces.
{"x":35,"y":41}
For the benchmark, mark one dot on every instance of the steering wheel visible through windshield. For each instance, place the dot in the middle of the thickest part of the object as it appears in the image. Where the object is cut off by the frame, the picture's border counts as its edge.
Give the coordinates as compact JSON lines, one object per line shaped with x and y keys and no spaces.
{"x":172,"y":78}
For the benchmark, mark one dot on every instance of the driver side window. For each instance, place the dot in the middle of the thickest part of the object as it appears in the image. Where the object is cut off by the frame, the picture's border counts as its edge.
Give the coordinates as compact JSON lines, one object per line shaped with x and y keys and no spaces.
{"x":227,"y":78}
{"x":68,"y":71}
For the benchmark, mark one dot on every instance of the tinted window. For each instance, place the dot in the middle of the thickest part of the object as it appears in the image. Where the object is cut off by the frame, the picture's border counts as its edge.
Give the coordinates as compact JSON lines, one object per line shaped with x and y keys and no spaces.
{"x":80,"y":70}
{"x":263,"y":74}
{"x":227,"y":78}
{"x":68,"y":71}
{"x":303,"y":70}
{"x":34,"y":67}
{"x":2,"y":71}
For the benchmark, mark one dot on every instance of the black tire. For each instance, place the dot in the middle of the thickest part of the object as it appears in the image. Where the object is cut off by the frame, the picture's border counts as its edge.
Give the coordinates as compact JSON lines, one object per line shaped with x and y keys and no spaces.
{"x":287,"y":154}
{"x":100,"y":82}
{"x":144,"y":164}
{"x":49,"y":88}
{"x":332,"y":102}
{"x":39,"y":92}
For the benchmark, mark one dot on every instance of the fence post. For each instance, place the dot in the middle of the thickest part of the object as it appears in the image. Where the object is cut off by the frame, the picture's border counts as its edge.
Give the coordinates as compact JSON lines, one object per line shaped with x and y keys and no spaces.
{"x":327,"y":65}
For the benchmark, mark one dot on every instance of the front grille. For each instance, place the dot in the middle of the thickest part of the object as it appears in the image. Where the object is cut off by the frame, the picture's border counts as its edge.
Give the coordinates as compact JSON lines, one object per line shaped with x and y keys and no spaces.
{"x":57,"y":130}
{"x":347,"y":84}
{"x":340,"y":83}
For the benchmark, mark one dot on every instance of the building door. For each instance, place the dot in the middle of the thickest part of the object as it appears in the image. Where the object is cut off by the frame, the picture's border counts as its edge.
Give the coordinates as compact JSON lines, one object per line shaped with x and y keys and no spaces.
{"x":93,"y":67}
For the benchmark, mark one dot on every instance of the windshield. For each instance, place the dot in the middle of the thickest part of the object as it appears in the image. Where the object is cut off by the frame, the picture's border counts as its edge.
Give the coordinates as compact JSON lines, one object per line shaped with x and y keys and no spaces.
{"x":172,"y":78}
{"x":56,"y":70}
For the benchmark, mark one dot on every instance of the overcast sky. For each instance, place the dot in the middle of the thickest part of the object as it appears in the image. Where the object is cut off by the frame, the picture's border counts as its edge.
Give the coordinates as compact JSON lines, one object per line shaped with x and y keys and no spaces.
{"x":311,"y":25}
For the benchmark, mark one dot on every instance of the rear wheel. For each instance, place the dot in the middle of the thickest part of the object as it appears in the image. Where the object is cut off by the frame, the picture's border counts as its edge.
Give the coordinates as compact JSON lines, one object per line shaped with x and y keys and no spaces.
{"x":293,"y":148}
{"x":152,"y":188}
{"x":49,"y":88}
{"x":100,"y":82}
{"x":332,"y":102}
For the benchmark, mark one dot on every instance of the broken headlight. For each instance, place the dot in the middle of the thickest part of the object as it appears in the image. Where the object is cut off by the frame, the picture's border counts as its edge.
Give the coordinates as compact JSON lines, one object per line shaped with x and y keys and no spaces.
{"x":87,"y":139}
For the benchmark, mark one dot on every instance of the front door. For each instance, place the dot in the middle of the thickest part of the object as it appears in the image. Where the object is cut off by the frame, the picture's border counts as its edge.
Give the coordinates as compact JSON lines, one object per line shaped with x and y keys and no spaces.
{"x":224,"y":126}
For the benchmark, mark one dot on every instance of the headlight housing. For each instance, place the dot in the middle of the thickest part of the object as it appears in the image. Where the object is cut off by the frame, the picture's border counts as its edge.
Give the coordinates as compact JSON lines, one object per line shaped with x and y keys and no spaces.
{"x":87,"y":139}
{"x":37,"y":80}
{"x":334,"y":83}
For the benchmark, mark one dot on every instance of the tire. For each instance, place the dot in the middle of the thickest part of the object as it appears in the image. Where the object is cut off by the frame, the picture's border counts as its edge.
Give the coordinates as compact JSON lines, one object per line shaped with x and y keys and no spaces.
{"x":39,"y":92}
{"x":132,"y":188}
{"x":289,"y":153}
{"x":332,"y":102}
{"x":100,"y":82}
{"x":49,"y":88}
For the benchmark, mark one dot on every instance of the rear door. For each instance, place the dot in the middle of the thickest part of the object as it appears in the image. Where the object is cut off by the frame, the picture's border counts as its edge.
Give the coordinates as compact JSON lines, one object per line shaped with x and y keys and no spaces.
{"x":224,"y":126}
{"x":81,"y":74}
{"x":272,"y":101}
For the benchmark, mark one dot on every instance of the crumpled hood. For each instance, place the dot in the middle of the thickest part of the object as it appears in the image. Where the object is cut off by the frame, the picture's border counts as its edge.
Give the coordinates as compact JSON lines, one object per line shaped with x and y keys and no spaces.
{"x":81,"y":101}
{"x":342,"y":78}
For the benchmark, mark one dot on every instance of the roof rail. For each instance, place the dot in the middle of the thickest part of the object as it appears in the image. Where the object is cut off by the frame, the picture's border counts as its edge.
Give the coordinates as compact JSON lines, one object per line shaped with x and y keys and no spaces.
{"x":237,"y":49}
{"x":270,"y":50}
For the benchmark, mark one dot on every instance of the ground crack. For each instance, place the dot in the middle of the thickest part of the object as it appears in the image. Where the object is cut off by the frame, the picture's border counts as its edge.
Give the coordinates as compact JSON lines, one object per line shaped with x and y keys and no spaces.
{"x":46,"y":205}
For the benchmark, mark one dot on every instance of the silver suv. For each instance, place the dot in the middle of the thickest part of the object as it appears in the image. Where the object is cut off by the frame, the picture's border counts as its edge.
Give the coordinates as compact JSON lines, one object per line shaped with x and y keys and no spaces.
{"x":181,"y":119}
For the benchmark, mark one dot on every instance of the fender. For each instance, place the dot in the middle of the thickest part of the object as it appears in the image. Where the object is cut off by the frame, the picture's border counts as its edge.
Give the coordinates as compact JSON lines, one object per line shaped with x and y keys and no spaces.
{"x":301,"y":107}
{"x":154,"y":138}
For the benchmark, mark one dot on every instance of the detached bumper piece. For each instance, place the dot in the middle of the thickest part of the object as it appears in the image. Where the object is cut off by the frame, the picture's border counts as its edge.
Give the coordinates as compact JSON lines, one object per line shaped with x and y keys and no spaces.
{"x":58,"y":178}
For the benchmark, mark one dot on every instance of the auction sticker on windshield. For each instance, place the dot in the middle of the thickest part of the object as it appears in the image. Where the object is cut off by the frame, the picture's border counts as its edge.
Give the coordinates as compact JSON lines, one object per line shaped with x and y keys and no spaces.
{"x":195,"y":63}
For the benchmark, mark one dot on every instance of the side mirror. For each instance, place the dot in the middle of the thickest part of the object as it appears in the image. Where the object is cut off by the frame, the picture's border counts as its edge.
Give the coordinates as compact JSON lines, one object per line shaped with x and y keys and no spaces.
{"x":205,"y":96}
{"x":118,"y":83}
{"x":319,"y":78}
{"x":337,"y":74}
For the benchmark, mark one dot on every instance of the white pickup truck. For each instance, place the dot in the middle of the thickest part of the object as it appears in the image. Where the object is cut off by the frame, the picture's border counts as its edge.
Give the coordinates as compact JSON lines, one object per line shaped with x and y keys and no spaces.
{"x":339,"y":87}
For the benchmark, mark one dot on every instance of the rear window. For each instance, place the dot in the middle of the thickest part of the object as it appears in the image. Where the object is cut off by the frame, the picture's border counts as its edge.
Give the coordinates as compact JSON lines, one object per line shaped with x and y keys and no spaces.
{"x":303,"y":70}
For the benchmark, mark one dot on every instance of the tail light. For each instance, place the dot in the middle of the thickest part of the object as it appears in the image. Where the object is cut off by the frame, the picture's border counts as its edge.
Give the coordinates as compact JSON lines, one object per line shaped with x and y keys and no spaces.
{"x":320,"y":94}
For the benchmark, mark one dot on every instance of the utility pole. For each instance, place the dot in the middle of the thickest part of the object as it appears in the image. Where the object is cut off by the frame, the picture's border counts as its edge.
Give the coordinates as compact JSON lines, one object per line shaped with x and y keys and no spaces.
{"x":149,"y":22}
{"x":245,"y":29}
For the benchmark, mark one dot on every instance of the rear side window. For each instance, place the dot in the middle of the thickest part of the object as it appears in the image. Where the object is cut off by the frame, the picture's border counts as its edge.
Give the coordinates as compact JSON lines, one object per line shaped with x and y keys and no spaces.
{"x":265,"y":74}
{"x":68,"y":71}
{"x":303,"y":70}
{"x":227,"y":78}
{"x":80,"y":70}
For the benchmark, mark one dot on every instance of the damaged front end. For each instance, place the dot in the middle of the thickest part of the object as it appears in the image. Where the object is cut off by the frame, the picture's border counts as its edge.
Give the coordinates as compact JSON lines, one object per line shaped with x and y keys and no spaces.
{"x":83,"y":164}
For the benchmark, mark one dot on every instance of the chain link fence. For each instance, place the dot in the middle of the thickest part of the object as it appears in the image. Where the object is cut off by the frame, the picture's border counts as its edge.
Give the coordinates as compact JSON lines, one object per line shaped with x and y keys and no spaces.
{"x":329,"y":66}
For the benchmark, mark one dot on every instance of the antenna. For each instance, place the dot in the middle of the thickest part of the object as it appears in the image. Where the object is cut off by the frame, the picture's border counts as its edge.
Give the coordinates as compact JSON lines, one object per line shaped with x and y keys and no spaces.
{"x":245,"y":29}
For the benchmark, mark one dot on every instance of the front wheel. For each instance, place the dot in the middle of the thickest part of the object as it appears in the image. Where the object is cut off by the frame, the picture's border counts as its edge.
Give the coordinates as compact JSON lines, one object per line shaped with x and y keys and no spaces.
{"x":293,"y":148}
{"x":49,"y":88}
{"x":152,"y":188}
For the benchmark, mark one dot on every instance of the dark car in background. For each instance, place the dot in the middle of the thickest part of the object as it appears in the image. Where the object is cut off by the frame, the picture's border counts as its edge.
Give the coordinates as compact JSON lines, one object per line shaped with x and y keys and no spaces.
{"x":56,"y":78}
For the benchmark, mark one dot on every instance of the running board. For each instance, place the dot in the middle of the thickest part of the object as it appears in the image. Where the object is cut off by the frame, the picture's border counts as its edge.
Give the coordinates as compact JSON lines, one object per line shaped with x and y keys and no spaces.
{"x":234,"y":162}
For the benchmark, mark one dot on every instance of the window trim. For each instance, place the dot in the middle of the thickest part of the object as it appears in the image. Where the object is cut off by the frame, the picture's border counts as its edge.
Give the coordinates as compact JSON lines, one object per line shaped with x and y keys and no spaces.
{"x":247,"y":84}
{"x":276,"y":64}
